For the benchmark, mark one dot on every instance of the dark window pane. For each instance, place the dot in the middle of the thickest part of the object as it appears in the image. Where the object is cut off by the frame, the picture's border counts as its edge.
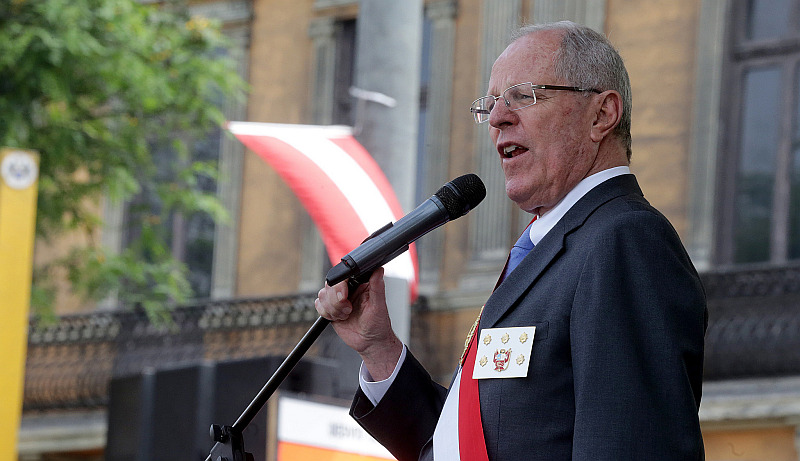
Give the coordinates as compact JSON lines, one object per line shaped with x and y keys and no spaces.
{"x":343,"y":111}
{"x":794,"y":178}
{"x":199,"y":252}
{"x":189,"y":237}
{"x":768,"y":18}
{"x":794,"y":205}
{"x":199,"y":228}
{"x":756,"y":172}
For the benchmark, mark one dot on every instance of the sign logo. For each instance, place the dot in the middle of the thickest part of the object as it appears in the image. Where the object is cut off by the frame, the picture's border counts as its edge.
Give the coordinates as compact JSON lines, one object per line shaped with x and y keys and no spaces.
{"x":19,"y":170}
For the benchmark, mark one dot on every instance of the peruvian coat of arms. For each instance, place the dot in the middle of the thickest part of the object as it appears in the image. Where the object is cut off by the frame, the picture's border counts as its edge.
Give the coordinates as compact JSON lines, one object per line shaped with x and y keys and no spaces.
{"x":501,"y":359}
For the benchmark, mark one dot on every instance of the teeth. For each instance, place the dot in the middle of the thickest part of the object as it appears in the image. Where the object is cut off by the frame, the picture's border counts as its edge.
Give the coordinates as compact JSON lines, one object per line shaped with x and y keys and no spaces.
{"x":507,"y":151}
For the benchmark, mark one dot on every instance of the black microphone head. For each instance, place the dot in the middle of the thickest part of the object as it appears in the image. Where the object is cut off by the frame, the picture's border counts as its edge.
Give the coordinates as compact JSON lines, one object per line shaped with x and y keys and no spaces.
{"x":461,"y":195}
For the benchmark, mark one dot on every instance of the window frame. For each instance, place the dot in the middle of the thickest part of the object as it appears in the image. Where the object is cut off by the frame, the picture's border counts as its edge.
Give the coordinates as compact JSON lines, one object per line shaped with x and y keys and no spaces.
{"x":742,"y":55}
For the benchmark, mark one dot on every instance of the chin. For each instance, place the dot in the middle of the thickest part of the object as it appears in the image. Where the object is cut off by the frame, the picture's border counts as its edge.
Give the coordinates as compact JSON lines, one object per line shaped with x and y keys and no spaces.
{"x":519,"y":198}
{"x":518,"y":191}
{"x":524,"y":200}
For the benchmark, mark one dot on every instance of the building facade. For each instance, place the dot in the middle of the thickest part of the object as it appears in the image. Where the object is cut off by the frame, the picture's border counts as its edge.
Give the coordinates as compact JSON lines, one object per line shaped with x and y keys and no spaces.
{"x":716,"y":117}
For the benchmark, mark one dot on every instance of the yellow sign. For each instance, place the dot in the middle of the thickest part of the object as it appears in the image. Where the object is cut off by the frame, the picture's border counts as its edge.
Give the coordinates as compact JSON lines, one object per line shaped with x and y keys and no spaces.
{"x":19,"y":171}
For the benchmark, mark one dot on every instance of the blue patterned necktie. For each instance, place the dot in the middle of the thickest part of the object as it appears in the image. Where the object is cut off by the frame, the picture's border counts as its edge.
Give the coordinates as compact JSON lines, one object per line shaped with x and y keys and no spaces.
{"x":519,"y":250}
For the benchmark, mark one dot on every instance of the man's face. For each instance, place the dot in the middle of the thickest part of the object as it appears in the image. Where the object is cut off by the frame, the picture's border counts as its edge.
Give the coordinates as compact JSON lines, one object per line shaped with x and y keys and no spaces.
{"x":545,"y":148}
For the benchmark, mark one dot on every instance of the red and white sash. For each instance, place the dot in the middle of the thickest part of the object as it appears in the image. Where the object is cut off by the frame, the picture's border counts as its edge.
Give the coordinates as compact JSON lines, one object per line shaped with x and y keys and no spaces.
{"x":459,"y":432}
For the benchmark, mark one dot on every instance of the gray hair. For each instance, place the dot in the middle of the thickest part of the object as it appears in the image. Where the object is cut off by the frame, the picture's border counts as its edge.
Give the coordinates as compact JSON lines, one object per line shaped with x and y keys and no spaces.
{"x":587,"y":59}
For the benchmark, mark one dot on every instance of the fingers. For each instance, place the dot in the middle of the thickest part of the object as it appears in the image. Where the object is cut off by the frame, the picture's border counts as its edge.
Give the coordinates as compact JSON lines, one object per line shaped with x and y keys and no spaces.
{"x":337,"y":303}
{"x":376,"y":281}
{"x":359,"y":316}
{"x":332,"y":302}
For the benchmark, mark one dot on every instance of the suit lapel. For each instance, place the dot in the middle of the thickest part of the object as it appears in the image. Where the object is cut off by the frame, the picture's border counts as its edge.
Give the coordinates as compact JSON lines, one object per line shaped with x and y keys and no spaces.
{"x":551,"y":246}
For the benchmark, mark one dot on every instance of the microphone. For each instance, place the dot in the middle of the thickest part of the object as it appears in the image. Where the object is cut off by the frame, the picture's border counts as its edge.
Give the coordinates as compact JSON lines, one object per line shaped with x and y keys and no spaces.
{"x":452,"y":201}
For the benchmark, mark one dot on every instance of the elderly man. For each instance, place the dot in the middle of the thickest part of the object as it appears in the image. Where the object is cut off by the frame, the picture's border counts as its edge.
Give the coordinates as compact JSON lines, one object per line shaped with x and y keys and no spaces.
{"x":602,"y":312}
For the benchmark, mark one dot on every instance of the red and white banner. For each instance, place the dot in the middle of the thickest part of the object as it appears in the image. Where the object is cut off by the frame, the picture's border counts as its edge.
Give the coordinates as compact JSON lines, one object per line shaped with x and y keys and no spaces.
{"x":337,"y":181}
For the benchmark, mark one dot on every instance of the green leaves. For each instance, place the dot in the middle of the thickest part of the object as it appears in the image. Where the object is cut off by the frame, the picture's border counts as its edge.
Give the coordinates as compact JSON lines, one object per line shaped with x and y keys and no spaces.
{"x":99,"y":88}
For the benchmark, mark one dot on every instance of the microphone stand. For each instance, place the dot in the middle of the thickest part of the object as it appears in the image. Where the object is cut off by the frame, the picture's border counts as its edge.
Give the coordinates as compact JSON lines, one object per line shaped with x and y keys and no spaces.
{"x":229,"y":444}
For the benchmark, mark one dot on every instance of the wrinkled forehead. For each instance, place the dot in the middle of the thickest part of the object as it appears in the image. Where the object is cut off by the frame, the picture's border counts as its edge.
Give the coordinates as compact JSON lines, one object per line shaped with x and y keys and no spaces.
{"x":528,"y":59}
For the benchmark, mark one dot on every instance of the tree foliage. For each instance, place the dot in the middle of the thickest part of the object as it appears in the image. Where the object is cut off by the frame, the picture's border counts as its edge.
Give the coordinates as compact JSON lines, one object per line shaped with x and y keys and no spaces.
{"x":98,"y":88}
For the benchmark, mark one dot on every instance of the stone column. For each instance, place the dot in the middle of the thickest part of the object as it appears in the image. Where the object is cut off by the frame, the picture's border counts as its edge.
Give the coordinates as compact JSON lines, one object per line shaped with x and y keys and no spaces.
{"x":591,"y":13}
{"x":388,"y":47}
{"x":706,"y":127}
{"x":323,"y":70}
{"x":435,"y":157}
{"x":490,"y":236}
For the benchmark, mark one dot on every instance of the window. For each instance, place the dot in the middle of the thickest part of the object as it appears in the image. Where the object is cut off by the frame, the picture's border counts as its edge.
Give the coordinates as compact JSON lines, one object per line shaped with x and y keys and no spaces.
{"x":345,"y":38}
{"x":209,"y":251}
{"x":761,"y":174}
{"x":190,"y":237}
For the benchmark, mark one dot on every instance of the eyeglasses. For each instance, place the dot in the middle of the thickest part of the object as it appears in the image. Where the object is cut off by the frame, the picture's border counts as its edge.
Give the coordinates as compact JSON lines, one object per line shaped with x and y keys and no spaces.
{"x":516,"y":97}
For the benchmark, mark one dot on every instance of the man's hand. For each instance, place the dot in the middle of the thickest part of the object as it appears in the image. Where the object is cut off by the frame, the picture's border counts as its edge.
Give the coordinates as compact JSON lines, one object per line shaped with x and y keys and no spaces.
{"x":361,"y":319}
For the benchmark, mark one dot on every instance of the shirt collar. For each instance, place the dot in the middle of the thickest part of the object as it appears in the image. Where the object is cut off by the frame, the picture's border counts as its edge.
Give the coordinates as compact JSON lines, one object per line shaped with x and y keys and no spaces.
{"x":542,"y":225}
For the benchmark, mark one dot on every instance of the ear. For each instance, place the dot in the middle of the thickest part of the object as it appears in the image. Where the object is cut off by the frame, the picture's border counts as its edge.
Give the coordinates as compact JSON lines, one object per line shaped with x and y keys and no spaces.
{"x":608,"y":113}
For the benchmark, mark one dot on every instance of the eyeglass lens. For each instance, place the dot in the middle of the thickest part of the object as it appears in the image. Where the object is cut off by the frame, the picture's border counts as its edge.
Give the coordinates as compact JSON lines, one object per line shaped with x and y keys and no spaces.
{"x":516,"y":97}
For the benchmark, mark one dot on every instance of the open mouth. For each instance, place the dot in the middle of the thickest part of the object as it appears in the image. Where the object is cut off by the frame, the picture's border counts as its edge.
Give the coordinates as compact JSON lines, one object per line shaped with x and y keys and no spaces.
{"x":513,"y":150}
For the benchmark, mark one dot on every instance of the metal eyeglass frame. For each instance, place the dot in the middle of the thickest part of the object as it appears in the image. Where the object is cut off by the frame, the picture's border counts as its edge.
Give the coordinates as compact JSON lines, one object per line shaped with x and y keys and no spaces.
{"x":482,"y":107}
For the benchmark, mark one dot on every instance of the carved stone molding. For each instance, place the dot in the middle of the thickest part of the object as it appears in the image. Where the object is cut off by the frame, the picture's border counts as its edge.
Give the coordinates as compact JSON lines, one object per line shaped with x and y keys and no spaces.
{"x":322,"y":4}
{"x":229,"y":11}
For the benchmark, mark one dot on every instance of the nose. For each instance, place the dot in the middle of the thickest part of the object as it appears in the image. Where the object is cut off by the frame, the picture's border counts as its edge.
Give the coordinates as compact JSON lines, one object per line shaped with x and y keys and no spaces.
{"x":501,"y":116}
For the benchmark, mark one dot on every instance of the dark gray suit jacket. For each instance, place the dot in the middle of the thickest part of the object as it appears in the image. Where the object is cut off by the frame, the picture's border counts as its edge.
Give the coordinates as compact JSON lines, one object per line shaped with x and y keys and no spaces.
{"x":617,"y":359}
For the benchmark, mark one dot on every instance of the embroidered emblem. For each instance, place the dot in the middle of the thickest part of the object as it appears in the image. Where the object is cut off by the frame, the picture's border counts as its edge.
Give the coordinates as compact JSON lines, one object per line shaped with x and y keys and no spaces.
{"x":495,"y":360}
{"x":501,"y":357}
